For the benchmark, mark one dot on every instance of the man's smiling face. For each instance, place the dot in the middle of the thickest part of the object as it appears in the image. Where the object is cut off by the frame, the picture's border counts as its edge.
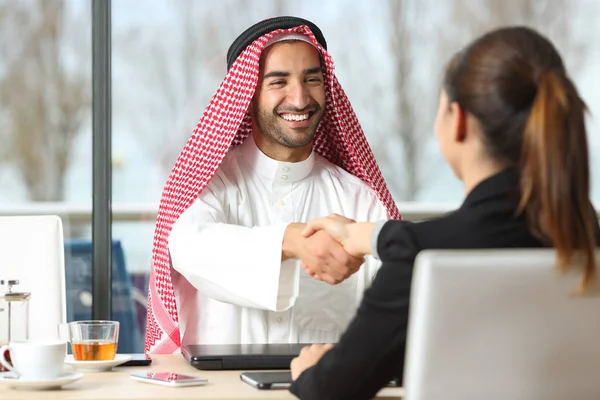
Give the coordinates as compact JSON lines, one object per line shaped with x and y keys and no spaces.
{"x":290,"y":96}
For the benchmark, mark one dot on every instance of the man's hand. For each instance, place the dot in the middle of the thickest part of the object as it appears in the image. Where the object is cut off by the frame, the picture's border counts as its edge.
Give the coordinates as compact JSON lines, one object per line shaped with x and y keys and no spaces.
{"x":322,"y":256}
{"x":354,"y":237}
{"x":309,"y":356}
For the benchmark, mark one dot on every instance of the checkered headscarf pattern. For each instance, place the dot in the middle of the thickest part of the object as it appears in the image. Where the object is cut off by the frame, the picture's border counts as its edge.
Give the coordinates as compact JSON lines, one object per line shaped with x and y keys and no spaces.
{"x":224,"y":125}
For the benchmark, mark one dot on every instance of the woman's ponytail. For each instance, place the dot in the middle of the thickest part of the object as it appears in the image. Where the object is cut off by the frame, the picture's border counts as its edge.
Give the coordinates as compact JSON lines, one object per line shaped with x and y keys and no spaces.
{"x":555,"y":181}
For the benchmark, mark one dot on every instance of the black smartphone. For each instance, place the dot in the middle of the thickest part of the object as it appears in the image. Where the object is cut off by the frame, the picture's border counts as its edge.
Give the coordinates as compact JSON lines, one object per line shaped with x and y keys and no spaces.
{"x":137,"y":360}
{"x":279,"y":380}
{"x":268,"y":380}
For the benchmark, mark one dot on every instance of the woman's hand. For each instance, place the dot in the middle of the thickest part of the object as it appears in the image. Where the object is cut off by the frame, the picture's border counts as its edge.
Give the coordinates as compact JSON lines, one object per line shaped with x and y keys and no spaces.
{"x":309,"y":356}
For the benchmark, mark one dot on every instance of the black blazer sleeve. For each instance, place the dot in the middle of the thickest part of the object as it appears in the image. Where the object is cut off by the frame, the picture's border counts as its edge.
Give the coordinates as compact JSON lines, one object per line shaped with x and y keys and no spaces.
{"x":371,"y":351}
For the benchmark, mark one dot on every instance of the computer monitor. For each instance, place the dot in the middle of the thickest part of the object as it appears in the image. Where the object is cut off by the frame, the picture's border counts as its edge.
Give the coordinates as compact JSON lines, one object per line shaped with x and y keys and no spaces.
{"x":32,"y":252}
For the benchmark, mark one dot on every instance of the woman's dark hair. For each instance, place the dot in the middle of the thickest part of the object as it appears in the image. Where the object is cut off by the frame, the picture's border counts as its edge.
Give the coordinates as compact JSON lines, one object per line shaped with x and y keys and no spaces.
{"x":513,"y":81}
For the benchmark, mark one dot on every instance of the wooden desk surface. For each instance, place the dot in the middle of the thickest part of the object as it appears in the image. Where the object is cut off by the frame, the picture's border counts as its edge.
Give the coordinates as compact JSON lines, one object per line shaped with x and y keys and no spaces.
{"x":117,"y":385}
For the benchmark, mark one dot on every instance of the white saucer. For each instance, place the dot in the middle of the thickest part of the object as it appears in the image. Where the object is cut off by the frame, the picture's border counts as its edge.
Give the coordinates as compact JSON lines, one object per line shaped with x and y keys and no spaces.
{"x":96,"y":366}
{"x":10,"y":379}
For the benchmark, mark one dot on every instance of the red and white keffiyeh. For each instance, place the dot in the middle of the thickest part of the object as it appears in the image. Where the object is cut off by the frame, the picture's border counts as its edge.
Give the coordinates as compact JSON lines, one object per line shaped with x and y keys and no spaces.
{"x":224,"y":125}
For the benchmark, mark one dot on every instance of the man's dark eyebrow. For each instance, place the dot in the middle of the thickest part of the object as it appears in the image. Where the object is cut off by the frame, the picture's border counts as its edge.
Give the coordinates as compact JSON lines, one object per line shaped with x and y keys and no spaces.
{"x":283,"y":74}
{"x":276,"y":74}
{"x":314,"y":70}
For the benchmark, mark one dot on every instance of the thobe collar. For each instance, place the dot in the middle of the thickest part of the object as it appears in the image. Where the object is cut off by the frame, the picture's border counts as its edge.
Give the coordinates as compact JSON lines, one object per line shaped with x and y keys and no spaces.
{"x":278,"y":171}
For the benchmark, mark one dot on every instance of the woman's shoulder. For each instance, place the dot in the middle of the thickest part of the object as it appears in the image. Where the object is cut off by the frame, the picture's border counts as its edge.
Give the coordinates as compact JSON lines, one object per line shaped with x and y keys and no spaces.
{"x":494,"y":227}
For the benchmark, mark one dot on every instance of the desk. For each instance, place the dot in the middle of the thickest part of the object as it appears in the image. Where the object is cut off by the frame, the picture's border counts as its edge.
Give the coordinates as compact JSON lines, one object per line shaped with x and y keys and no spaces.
{"x":117,"y":385}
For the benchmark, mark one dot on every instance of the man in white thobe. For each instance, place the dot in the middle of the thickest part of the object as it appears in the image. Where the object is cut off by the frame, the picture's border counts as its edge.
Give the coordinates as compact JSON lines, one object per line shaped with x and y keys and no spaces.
{"x":236,"y":250}
{"x":228,"y":245}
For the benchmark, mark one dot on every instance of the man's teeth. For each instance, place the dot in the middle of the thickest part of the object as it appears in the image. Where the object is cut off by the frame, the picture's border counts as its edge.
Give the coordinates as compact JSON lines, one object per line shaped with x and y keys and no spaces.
{"x":294,"y":117}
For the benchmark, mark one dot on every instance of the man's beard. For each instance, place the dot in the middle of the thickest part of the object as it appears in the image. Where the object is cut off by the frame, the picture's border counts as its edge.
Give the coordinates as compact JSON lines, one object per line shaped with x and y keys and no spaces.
{"x":273,"y":126}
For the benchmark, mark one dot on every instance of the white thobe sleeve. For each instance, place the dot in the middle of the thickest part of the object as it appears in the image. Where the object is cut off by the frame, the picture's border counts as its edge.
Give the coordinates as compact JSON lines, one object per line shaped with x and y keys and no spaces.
{"x":232,"y":263}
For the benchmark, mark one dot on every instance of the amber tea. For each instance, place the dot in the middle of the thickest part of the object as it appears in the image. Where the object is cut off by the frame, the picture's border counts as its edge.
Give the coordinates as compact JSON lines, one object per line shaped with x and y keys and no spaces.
{"x":94,"y":350}
{"x":94,"y":340}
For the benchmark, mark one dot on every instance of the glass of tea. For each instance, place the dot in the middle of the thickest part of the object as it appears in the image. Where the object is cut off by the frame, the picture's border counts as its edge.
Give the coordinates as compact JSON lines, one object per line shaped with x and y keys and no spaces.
{"x":94,"y":340}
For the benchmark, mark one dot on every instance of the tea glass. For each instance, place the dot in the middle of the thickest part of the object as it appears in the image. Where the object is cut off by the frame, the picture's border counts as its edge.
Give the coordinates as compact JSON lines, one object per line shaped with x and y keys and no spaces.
{"x":93,"y":340}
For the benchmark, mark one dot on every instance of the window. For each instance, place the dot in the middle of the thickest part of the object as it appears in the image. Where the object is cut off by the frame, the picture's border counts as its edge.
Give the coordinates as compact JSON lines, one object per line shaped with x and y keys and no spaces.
{"x":45,"y":127}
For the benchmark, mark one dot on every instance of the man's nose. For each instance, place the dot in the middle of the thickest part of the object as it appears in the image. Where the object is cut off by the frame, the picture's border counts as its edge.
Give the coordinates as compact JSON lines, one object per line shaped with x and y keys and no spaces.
{"x":299,"y":96}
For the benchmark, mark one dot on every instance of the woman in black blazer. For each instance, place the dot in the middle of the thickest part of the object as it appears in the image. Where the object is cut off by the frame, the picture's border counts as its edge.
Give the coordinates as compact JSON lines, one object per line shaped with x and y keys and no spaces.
{"x":511,"y":125}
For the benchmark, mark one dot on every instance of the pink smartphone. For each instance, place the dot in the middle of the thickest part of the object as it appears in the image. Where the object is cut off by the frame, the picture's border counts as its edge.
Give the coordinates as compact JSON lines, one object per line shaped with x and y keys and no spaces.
{"x":170,"y":379}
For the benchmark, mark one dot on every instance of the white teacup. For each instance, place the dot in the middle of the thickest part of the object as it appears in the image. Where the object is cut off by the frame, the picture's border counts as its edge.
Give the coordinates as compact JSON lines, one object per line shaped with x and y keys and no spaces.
{"x":35,"y":360}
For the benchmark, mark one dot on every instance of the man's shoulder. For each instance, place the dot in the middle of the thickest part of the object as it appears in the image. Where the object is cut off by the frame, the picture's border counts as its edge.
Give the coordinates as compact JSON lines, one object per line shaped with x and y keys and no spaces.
{"x":225,"y":177}
{"x":230,"y":164}
{"x":341,"y":175}
{"x":232,"y":156}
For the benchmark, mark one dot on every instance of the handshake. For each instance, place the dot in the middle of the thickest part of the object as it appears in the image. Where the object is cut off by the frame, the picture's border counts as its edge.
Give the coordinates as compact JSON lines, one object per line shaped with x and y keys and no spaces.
{"x":331,"y":248}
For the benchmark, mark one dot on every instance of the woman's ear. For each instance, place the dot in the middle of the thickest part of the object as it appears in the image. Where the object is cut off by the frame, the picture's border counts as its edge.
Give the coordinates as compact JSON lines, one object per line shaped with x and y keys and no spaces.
{"x":459,"y":121}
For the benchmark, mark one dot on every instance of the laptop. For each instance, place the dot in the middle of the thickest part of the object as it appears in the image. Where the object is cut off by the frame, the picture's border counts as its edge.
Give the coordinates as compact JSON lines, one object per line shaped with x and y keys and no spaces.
{"x":242,"y":356}
{"x":501,"y":324}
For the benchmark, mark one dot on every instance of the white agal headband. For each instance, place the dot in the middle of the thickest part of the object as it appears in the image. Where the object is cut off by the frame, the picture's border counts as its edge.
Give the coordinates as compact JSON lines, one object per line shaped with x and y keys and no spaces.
{"x":281,"y":37}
